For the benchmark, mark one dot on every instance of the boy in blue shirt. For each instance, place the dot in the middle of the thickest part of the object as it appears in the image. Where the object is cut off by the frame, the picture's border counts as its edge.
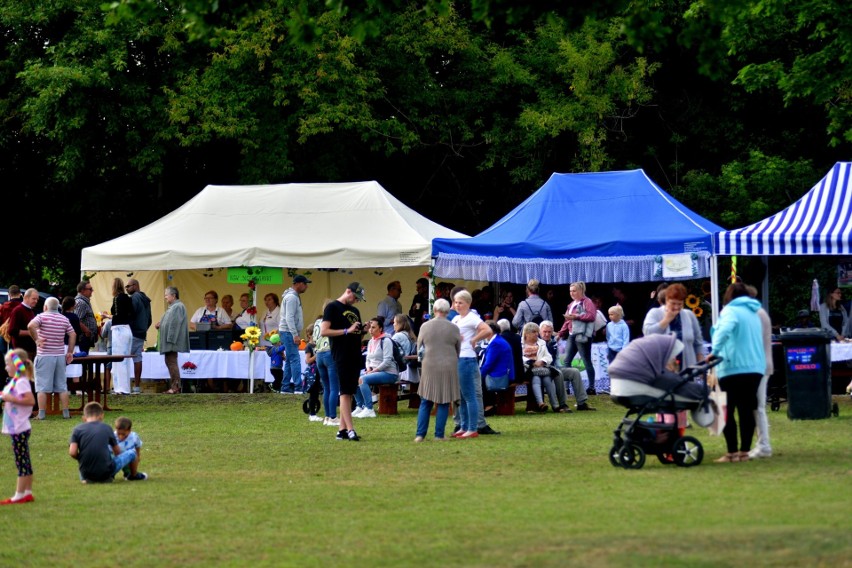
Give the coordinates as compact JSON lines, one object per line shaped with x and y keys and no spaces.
{"x":617,"y":333}
{"x":129,"y":440}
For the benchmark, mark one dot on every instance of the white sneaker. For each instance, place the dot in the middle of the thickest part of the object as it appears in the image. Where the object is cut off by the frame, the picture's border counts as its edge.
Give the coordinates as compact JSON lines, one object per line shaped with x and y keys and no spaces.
{"x":333,"y":422}
{"x":757,"y":453}
{"x":368,"y":413}
{"x":357,"y":412}
{"x":314,"y":418}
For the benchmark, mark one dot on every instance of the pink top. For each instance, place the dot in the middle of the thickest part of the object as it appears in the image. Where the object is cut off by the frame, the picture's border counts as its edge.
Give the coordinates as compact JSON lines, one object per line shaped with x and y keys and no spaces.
{"x":52,"y":329}
{"x":16,"y":417}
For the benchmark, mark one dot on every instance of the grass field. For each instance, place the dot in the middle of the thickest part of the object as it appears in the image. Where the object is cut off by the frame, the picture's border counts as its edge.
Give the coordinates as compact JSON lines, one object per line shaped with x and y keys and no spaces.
{"x":238,"y":480}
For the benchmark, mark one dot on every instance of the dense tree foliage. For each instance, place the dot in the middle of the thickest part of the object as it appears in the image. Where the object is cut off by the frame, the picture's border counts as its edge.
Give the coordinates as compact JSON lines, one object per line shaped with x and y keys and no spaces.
{"x":114,"y":115}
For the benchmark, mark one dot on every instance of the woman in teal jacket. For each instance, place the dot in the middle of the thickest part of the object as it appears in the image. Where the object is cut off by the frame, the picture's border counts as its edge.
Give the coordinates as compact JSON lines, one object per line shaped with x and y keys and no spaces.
{"x":738,"y":340}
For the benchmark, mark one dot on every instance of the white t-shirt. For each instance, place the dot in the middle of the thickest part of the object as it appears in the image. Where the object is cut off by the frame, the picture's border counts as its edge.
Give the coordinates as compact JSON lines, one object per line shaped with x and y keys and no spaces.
{"x":467,"y":326}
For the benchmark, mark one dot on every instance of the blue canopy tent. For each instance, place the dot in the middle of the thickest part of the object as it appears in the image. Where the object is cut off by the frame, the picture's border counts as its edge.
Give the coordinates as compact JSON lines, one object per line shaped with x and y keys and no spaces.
{"x":820,"y":223}
{"x":596,"y":227}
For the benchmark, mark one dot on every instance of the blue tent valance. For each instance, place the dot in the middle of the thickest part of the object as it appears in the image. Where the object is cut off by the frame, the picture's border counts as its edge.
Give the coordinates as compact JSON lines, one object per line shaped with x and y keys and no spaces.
{"x":560,"y":271}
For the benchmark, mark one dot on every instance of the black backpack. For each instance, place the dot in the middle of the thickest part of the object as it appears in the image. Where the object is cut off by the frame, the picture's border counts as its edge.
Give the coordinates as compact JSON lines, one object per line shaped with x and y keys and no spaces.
{"x":536,"y":319}
{"x":398,"y":356}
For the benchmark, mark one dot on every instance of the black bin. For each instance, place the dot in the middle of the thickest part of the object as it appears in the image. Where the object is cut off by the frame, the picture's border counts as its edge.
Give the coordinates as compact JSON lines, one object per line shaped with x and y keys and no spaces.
{"x":808,"y":367}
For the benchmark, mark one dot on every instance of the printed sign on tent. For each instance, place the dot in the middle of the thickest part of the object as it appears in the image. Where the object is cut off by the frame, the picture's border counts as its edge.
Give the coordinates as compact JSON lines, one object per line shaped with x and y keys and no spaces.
{"x":260,"y":275}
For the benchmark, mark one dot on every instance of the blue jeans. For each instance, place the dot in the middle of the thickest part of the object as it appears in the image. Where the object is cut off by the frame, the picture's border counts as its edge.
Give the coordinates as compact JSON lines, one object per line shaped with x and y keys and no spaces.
{"x":585,"y":350}
{"x":330,"y":383}
{"x":364,"y":396}
{"x":293,"y":365}
{"x":440,"y":418}
{"x":469,"y":377}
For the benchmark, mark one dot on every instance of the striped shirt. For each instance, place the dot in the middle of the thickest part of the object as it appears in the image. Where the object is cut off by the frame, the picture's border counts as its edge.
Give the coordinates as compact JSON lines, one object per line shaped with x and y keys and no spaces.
{"x":52,"y":327}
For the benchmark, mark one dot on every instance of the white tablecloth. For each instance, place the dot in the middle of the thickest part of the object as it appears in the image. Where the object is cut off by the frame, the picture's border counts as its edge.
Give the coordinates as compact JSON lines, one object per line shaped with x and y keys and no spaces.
{"x":210,"y":365}
{"x":841,"y":351}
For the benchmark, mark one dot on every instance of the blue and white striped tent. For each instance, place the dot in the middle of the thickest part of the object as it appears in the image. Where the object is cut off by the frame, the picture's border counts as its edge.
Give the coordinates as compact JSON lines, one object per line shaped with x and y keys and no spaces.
{"x":820,"y":223}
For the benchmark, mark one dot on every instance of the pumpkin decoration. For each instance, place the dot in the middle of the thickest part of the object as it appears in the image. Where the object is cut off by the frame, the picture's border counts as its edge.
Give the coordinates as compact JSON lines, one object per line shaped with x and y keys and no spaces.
{"x":237,"y":346}
{"x":302,"y":345}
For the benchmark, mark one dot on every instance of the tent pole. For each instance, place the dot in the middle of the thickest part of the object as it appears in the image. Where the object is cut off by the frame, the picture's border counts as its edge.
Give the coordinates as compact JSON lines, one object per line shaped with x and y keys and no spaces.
{"x":714,"y":288}
{"x":764,"y":291}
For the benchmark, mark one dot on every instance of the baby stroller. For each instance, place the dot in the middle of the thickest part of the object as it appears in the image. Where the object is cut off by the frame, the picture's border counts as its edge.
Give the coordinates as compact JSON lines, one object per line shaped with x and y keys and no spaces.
{"x":657,"y":400}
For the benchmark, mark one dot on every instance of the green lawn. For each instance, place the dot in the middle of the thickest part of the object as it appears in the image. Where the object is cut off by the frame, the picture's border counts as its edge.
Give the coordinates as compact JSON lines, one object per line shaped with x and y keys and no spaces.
{"x":246,"y":480}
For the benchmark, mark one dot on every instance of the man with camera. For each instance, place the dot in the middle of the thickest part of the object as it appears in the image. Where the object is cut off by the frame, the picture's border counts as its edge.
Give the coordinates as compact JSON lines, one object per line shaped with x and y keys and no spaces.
{"x":341,"y":321}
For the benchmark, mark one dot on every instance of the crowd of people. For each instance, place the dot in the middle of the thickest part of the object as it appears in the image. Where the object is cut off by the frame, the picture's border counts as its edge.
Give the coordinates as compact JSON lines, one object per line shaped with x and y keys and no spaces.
{"x":461,"y":352}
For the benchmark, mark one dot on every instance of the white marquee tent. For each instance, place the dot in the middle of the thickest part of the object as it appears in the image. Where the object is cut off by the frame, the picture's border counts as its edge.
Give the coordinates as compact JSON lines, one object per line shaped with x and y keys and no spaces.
{"x":337,"y":232}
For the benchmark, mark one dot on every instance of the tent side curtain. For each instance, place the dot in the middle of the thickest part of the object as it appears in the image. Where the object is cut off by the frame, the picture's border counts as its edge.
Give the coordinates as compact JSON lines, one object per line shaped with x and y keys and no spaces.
{"x":820,"y":223}
{"x":561,"y":271}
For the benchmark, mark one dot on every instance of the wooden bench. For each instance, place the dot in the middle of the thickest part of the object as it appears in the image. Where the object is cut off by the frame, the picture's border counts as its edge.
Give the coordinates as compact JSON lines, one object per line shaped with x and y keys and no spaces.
{"x":390,"y":395}
{"x":389,"y":399}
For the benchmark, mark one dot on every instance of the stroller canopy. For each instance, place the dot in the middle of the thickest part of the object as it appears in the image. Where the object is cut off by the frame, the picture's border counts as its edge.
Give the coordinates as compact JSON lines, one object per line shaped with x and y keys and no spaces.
{"x":644,"y":361}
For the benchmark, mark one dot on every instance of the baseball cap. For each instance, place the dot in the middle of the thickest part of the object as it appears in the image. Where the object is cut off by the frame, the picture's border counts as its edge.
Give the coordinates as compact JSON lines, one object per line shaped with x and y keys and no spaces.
{"x":358,"y":290}
{"x":803,"y":314}
{"x":299,"y":279}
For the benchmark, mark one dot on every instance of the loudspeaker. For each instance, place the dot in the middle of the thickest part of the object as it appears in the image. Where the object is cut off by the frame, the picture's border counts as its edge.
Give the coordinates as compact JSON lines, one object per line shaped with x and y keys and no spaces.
{"x":219,"y":339}
{"x":197,"y":340}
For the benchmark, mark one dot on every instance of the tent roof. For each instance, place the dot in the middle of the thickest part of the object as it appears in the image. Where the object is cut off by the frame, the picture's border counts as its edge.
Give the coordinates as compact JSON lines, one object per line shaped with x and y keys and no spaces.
{"x":817,"y":224}
{"x":603,"y":227}
{"x":305,"y":225}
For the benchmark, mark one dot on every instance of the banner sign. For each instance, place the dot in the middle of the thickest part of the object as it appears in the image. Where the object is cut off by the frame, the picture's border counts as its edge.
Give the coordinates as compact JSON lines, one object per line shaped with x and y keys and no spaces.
{"x":260,"y":275}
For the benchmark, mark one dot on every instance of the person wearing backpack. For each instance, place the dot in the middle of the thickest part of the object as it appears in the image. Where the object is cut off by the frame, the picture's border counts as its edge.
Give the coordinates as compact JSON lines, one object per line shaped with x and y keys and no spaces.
{"x":381,"y":368}
{"x":407,"y":341}
{"x":533,"y":309}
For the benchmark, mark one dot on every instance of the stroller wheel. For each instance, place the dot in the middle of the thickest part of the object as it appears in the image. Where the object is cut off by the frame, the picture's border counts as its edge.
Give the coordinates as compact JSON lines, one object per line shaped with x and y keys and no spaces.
{"x":631,"y":457}
{"x":310,"y":406}
{"x":775,"y":406}
{"x":687,"y":451}
{"x":613,"y":455}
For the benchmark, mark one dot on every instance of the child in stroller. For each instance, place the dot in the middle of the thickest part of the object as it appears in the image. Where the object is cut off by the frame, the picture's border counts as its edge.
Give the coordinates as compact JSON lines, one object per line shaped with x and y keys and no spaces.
{"x":657,"y":398}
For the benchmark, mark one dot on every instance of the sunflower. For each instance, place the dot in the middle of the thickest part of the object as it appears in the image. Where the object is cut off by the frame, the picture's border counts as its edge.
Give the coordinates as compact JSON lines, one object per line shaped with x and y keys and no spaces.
{"x":698,"y":311}
{"x":692,"y":301}
{"x":253,"y":332}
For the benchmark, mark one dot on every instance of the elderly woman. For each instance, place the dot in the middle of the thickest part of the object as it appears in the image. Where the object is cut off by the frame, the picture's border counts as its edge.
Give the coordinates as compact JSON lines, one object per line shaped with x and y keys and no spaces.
{"x":578,"y":329}
{"x":380,"y":369}
{"x":174,"y":336}
{"x":121,"y":337}
{"x":210,"y":313}
{"x":228,"y":306}
{"x":440,"y":342}
{"x":738,"y":341}
{"x":244,"y":319}
{"x":833,"y":316}
{"x":472,"y":329}
{"x":670,"y":317}
{"x":271,"y":319}
{"x":537,"y":360}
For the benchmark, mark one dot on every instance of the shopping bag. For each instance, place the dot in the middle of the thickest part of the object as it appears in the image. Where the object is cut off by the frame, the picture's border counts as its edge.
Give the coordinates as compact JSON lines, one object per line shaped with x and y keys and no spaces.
{"x":578,"y":364}
{"x":719,"y":403}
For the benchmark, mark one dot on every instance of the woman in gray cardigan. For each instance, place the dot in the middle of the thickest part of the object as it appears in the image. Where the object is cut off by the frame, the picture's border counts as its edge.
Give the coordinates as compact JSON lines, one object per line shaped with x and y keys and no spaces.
{"x":439,"y":376}
{"x":672,"y":318}
{"x":174,"y":336}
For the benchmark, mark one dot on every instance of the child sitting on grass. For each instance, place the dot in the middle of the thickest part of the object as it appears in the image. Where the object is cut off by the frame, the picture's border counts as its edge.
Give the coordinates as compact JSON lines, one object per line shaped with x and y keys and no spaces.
{"x":18,"y":401}
{"x":94,"y":445}
{"x":129,"y":440}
